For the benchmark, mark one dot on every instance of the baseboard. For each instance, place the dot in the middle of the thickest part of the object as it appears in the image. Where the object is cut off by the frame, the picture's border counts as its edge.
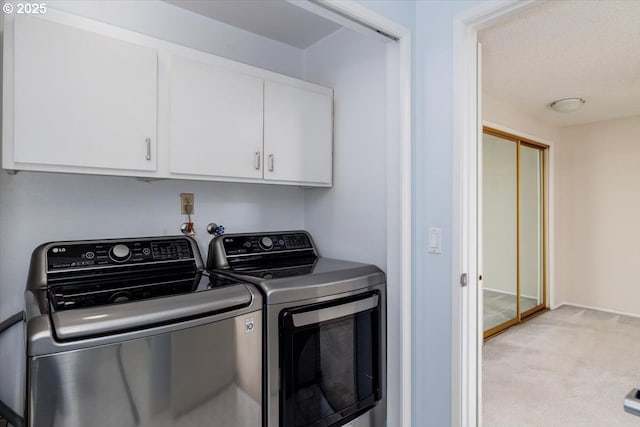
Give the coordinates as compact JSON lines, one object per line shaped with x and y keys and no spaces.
{"x":499,"y":291}
{"x":556,"y":306}
{"x":513,"y":294}
{"x":605,"y":310}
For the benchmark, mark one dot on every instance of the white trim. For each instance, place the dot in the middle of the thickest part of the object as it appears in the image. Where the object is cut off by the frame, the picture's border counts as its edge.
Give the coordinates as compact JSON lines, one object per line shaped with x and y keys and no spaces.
{"x":604,"y":310}
{"x":513,"y":294}
{"x":465,"y":344}
{"x":366,"y":16}
{"x":479,"y":233}
{"x":406,"y":230}
{"x":399,"y":222}
{"x":490,"y":11}
{"x":554,"y":307}
{"x":551,"y":224}
{"x":354,"y":17}
{"x":516,"y":132}
{"x":466,"y":257}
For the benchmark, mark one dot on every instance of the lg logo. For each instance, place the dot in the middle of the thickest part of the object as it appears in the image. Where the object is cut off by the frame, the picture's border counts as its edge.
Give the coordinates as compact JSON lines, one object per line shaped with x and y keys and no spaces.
{"x":249,"y":325}
{"x":56,"y":250}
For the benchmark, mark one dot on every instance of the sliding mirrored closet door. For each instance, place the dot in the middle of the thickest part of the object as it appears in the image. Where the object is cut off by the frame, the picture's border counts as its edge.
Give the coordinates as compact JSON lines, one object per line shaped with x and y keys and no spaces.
{"x":513,"y":221}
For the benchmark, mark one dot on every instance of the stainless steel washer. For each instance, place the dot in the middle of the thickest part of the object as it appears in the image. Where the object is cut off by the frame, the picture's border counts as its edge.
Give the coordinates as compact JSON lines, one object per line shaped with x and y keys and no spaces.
{"x":129,"y":332}
{"x":325,"y":329}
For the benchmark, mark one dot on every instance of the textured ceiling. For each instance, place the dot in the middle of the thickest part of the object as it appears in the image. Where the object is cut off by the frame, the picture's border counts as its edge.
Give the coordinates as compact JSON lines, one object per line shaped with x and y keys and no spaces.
{"x":278,"y":20}
{"x":563,"y":49}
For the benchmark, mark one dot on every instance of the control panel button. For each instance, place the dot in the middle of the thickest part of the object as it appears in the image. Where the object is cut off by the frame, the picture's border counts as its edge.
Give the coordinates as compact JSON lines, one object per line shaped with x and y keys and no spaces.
{"x":146,"y":251}
{"x":120,"y":253}
{"x":297,"y":241}
{"x":90,"y":255}
{"x":266,"y":243}
{"x":170,"y":250}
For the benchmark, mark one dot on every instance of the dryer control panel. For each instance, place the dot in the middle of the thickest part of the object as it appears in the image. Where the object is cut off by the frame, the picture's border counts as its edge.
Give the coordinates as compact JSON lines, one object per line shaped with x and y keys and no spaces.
{"x":247,"y":250}
{"x":273,"y":242}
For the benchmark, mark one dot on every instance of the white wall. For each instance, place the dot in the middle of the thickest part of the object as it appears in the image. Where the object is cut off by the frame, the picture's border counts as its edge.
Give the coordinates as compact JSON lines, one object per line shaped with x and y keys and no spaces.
{"x":349,"y":220}
{"x":167,"y":22}
{"x":592,"y":204}
{"x":505,"y":115}
{"x":39,"y":207}
{"x":597,"y":237}
{"x":433,"y":358}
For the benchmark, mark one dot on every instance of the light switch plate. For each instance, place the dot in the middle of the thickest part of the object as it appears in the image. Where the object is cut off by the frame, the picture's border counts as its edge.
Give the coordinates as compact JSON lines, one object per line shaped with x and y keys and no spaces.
{"x":434,"y":241}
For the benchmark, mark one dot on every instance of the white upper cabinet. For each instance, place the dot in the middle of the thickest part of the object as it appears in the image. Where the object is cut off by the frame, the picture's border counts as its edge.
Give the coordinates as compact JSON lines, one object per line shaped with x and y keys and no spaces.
{"x":216,"y":120}
{"x":298,"y":132}
{"x":82,"y":99}
{"x":229,"y":124}
{"x":87,"y":97}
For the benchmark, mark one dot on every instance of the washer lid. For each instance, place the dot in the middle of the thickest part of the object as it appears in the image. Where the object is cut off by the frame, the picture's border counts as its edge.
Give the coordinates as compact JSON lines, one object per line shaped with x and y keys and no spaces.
{"x":114,"y":318}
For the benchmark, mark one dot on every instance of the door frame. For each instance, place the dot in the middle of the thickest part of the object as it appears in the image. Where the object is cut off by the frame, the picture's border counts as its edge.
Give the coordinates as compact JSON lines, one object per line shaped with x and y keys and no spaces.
{"x":467,"y":334}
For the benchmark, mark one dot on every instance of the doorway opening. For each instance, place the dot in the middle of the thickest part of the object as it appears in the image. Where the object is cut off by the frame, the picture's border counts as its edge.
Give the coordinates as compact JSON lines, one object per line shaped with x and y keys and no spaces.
{"x":578,"y":244}
{"x":514,"y":228}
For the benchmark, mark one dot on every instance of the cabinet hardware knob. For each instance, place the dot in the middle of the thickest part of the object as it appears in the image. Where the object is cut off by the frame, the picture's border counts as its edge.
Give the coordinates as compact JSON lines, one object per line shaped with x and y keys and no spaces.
{"x":148,"y":141}
{"x":257,"y":161}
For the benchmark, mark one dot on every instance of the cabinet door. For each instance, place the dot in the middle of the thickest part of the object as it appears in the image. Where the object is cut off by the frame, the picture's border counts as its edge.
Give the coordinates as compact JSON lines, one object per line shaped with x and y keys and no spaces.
{"x":82,"y":99}
{"x":216,"y":120}
{"x":298,"y":129}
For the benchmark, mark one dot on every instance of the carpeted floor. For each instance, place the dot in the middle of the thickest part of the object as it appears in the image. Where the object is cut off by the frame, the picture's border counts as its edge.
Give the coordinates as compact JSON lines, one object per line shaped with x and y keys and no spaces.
{"x":567,"y":367}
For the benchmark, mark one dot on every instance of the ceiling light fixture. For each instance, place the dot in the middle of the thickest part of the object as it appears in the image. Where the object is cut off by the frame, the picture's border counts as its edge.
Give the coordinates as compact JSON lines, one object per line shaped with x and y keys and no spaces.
{"x":567,"y":105}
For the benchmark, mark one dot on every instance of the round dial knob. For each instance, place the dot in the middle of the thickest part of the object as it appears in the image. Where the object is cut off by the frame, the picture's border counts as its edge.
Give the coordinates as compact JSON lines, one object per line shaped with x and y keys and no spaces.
{"x":120,"y":297}
{"x":266,"y":242}
{"x":120,"y":253}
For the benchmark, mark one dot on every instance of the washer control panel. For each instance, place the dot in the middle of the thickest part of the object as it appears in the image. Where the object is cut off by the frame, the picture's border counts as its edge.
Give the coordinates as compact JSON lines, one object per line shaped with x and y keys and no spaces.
{"x":243,"y":244}
{"x":64,"y":256}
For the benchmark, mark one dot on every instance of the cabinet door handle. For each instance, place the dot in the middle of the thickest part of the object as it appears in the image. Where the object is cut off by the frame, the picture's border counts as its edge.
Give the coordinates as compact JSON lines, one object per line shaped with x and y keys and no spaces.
{"x":148,"y":141}
{"x":257,"y":161}
{"x":271,"y":162}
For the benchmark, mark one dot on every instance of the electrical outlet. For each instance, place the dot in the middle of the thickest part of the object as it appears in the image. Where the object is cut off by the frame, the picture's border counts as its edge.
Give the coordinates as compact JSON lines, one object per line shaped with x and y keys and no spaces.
{"x":187,"y":203}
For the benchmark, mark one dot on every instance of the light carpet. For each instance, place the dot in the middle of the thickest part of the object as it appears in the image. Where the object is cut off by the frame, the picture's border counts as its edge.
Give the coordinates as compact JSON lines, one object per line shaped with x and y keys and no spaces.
{"x":567,"y":367}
